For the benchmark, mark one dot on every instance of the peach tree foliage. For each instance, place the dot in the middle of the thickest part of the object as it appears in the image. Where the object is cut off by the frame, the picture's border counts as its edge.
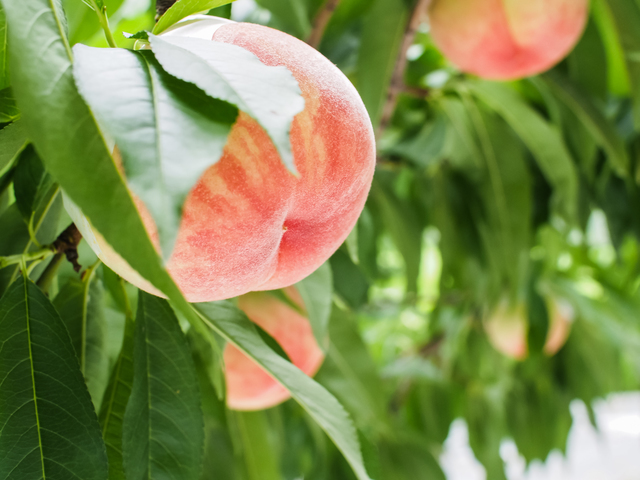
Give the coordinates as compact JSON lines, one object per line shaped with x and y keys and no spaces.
{"x":483,"y":191}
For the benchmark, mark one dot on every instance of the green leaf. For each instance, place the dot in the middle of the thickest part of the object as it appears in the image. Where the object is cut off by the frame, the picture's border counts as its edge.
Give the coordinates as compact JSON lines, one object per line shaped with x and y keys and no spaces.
{"x":383,"y":30}
{"x":5,"y":81}
{"x":486,"y":423}
{"x":258,"y":453}
{"x":601,"y":128}
{"x":78,"y":157}
{"x":114,"y":402}
{"x":316,"y":291}
{"x":462,"y":142}
{"x":184,"y":8}
{"x":80,"y":304}
{"x":588,"y":62}
{"x":270,"y":95}
{"x":351,"y":244}
{"x":409,"y":459}
{"x":349,"y":373}
{"x":31,"y":183}
{"x":15,"y":238}
{"x":626,"y":17}
{"x":292,"y":13}
{"x":8,"y":108}
{"x":163,"y":430}
{"x":544,"y":141}
{"x":538,"y":418}
{"x":83,"y":21}
{"x":13,"y":139}
{"x":403,"y":225}
{"x":427,"y":147}
{"x":617,"y":74}
{"x":157,"y":122}
{"x":115,"y":285}
{"x":141,"y":35}
{"x":235,"y":327}
{"x":348,"y":280}
{"x":48,"y":428}
{"x":208,"y":352}
{"x":67,"y":136}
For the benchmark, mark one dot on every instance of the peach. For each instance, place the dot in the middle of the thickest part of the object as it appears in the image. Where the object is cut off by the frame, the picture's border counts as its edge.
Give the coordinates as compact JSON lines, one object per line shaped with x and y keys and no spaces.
{"x":249,"y":224}
{"x":507,"y":39}
{"x":248,"y":386}
{"x":507,"y":327}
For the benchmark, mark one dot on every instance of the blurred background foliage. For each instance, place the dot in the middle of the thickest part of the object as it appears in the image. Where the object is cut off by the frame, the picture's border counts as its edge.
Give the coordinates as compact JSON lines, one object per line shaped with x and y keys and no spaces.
{"x":486,"y":193}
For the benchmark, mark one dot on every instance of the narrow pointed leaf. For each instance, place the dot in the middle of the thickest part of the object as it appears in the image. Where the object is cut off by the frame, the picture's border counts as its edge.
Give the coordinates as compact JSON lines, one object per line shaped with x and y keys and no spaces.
{"x":383,"y":28}
{"x":15,"y":238}
{"x":258,"y":453}
{"x":544,"y":141}
{"x":602,"y":129}
{"x":350,"y":374}
{"x":167,"y":131}
{"x":4,"y":64}
{"x":80,"y":304}
{"x":317,"y":294}
{"x":163,"y":431}
{"x":48,"y":428}
{"x":235,"y":327}
{"x":626,"y":18}
{"x":114,"y":403}
{"x":293,"y":14}
{"x":184,"y":8}
{"x":8,"y":108}
{"x":270,"y":95}
{"x":31,"y":183}
{"x":403,"y":225}
{"x":67,"y":136}
{"x":13,"y":139}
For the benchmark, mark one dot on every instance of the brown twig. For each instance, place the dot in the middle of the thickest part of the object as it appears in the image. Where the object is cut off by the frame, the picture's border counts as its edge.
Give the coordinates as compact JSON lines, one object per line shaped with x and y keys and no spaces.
{"x":397,"y":79}
{"x":67,"y":244}
{"x":162,"y":6}
{"x":321,"y":21}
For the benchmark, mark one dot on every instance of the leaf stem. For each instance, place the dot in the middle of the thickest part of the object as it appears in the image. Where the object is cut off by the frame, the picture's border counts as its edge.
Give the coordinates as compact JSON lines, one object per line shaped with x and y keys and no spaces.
{"x":26,"y":257}
{"x":101,"y":12}
{"x":46,"y":279}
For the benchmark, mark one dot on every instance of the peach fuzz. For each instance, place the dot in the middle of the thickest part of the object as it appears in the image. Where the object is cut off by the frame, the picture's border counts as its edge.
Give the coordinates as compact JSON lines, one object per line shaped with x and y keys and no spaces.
{"x":248,"y":386}
{"x":249,"y":224}
{"x":507,"y":39}
{"x":507,"y":328}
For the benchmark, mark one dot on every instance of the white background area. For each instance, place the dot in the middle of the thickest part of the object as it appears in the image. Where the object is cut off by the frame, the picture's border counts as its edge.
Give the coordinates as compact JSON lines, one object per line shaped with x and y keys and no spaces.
{"x":610,"y":452}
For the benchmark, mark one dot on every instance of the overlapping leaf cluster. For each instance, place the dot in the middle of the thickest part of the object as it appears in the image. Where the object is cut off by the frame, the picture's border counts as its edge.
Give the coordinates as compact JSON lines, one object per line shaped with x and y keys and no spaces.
{"x":483,"y":191}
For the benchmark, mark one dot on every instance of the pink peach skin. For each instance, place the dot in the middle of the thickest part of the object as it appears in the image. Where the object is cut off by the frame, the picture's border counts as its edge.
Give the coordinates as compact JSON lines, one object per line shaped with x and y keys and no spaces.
{"x":507,"y":328}
{"x":507,"y":39}
{"x":248,"y":224}
{"x":248,"y":386}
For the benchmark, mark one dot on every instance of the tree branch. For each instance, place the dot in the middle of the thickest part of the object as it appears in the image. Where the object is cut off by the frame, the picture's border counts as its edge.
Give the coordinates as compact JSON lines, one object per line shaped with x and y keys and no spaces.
{"x":67,"y":244}
{"x":321,"y":21}
{"x":397,"y":79}
{"x":162,"y":6}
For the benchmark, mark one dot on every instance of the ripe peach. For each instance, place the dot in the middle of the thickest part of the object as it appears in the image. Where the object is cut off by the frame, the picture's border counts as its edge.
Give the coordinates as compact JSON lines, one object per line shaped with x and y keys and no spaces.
{"x":507,"y":327}
{"x":507,"y":39}
{"x":248,"y":224}
{"x":248,"y":386}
